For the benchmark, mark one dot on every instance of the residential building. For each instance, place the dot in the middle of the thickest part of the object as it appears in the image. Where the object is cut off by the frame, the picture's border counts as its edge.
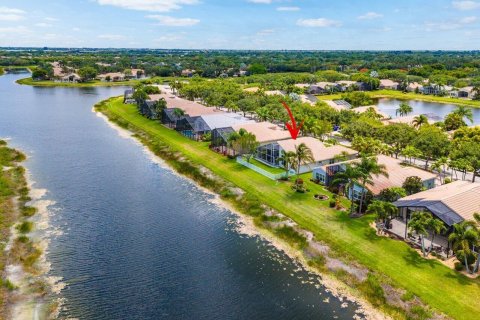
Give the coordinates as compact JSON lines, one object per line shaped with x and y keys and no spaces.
{"x":451,"y":203}
{"x":324,"y":87}
{"x":466,"y":92}
{"x":196,"y":127}
{"x":414,"y":87}
{"x":388,"y":84}
{"x":398,"y":172}
{"x":111,"y":76}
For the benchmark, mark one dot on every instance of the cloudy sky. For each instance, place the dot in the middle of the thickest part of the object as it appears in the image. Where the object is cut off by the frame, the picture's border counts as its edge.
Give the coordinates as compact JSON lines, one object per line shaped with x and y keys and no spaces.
{"x":242,"y":24}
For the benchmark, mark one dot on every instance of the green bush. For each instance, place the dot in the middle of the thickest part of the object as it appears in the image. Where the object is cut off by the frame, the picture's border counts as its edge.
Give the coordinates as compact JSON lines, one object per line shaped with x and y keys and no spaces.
{"x":25,"y":227}
{"x":461,"y":257}
{"x":420,"y":313}
{"x":458,"y":266}
{"x":332,"y":203}
{"x":407,"y":296}
{"x":292,"y":236}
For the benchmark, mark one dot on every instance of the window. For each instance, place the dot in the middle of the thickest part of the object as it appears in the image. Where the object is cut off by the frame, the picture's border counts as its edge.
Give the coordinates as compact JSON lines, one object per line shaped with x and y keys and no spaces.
{"x":320,"y":177}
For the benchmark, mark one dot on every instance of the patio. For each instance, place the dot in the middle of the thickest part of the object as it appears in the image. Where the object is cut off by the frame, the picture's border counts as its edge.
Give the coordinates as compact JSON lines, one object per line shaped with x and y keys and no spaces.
{"x":440,"y":243}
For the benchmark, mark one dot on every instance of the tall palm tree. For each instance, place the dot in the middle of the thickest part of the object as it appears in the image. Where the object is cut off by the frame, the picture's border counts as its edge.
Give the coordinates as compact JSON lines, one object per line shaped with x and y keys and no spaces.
{"x":177,"y":112}
{"x":303,"y":155}
{"x":348,"y":178}
{"x":464,"y":236}
{"x":404,"y":109}
{"x":419,"y":121}
{"x":464,"y":112}
{"x":368,"y":166}
{"x":476,"y":217}
{"x":419,"y":223}
{"x":288,"y":161}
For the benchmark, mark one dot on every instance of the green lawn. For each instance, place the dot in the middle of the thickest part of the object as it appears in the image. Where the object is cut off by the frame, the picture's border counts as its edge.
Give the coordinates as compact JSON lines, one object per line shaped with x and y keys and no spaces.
{"x":265,"y":167}
{"x":48,"y":83}
{"x":394,"y":94}
{"x":437,"y":285}
{"x":1,"y":71}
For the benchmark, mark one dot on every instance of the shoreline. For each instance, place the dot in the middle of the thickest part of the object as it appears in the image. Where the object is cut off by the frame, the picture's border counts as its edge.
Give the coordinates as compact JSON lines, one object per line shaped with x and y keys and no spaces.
{"x":48,"y":83}
{"x":31,"y":290}
{"x":247,"y":226}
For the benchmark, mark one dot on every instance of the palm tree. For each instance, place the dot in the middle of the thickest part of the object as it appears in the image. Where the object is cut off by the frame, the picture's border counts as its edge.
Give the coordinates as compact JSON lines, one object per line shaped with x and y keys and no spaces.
{"x":177,"y":112}
{"x":303,"y":155}
{"x":383,"y":210}
{"x":464,"y":112}
{"x":464,"y":236}
{"x":288,"y":161}
{"x":436,"y":227}
{"x":476,"y":216}
{"x":411,"y":152}
{"x":368,"y":167}
{"x":419,"y":223}
{"x":404,"y":109}
{"x":348,"y":179}
{"x":420,"y":120}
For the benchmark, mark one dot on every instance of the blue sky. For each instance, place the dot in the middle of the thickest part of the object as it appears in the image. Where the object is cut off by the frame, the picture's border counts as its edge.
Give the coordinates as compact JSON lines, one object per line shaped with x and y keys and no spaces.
{"x":242,"y":24}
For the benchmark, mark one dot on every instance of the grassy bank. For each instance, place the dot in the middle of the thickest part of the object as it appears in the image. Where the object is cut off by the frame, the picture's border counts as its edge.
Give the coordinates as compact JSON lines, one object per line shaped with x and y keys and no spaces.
{"x":393,"y":94}
{"x":351,"y":238}
{"x":1,"y":71}
{"x":14,"y":211}
{"x":96,"y":83}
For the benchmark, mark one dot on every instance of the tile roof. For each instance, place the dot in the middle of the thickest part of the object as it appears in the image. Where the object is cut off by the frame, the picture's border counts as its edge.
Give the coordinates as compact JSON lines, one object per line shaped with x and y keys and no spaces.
{"x":264,"y":131}
{"x":452,"y":202}
{"x":320,"y":151}
{"x":192,"y":108}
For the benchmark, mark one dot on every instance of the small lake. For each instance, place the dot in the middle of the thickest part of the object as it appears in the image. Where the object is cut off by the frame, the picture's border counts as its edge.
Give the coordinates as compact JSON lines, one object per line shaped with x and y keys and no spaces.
{"x":389,"y":106}
{"x":130,"y":239}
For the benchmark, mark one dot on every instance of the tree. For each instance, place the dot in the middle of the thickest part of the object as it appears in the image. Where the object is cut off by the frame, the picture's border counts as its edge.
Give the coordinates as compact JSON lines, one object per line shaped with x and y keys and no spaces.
{"x":357,"y":98}
{"x":257,"y":68}
{"x":464,"y":236}
{"x":39,"y":74}
{"x":139,"y":95}
{"x":453,"y":121}
{"x":348,"y":179}
{"x":303,"y":155}
{"x":368,"y":166}
{"x":411,"y":152}
{"x":366,"y":145}
{"x":178,"y":113}
{"x":419,"y":223}
{"x":244,"y":143}
{"x":158,"y":107}
{"x":432,"y":142}
{"x":436,"y":227}
{"x":441,"y":167}
{"x":398,"y":136}
{"x":464,"y":112}
{"x":404,"y":109}
{"x":419,"y":121}
{"x":87,"y":73}
{"x":288,"y":161}
{"x":469,"y":151}
{"x":412,"y":185}
{"x":392,"y":194}
{"x":384,"y":211}
{"x":476,"y":217}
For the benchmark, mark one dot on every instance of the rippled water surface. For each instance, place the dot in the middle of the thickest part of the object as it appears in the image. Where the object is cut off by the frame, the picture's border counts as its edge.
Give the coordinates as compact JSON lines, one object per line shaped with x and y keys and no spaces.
{"x":135,"y":241}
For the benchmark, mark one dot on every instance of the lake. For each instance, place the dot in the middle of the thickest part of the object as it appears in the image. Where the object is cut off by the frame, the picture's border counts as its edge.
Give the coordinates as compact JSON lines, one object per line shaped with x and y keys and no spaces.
{"x":129,"y":238}
{"x":389,"y":106}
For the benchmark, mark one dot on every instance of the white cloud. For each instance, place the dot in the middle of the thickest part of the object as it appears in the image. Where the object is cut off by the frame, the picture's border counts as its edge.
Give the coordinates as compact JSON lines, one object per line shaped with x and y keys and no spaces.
{"x":261,"y":1}
{"x":468,"y":20}
{"x":43,"y":25}
{"x":370,"y":16}
{"x":174,"y":22}
{"x":148,"y":5}
{"x":319,"y":23}
{"x":111,"y":37}
{"x":13,"y":30}
{"x":466,"y":5}
{"x":11,"y":14}
{"x":288,"y":9}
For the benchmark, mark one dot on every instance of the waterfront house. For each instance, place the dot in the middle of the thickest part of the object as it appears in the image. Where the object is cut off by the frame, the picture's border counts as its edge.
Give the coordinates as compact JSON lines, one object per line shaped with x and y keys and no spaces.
{"x":322,"y":154}
{"x":128,"y":96}
{"x":338,"y":105}
{"x":388,"y":84}
{"x":196,"y":127}
{"x":451,"y":203}
{"x":111,"y":76}
{"x":187,"y":73}
{"x":265,"y":133}
{"x":346,"y":84}
{"x":466,"y":92}
{"x":71,"y":77}
{"x":398,"y":172}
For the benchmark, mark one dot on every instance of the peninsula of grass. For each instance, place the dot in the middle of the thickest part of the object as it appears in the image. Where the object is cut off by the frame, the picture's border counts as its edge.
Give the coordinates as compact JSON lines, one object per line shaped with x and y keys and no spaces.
{"x":95,"y":83}
{"x":440,"y":287}
{"x":394,"y":94}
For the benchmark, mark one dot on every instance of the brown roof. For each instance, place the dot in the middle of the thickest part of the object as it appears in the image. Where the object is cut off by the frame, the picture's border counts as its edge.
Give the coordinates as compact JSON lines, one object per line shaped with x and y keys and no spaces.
{"x":320,"y":151}
{"x":192,"y":108}
{"x":449,"y":201}
{"x":365,"y":109}
{"x":397,"y":173}
{"x":264,"y":131}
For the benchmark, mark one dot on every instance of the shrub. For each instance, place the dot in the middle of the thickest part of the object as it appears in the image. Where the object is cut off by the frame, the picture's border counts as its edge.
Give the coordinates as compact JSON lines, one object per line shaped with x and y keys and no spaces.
{"x":291,"y":235}
{"x":458,"y":266}
{"x":332,"y":203}
{"x":461,"y":257}
{"x":407,"y":296}
{"x":420,"y":313}
{"x":373,"y":290}
{"x":25,"y":227}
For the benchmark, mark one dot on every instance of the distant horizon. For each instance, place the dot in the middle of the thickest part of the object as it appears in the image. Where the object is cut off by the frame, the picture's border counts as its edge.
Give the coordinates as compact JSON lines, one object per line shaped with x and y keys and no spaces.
{"x":307,"y":25}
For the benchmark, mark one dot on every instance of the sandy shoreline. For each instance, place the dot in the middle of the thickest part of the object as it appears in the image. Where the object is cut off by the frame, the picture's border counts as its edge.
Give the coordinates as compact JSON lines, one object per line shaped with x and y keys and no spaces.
{"x":247,"y":227}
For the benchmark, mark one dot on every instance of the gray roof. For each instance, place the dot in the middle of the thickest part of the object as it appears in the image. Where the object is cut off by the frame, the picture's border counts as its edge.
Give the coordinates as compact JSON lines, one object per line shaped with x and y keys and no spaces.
{"x":452,"y":203}
{"x":224,"y":120}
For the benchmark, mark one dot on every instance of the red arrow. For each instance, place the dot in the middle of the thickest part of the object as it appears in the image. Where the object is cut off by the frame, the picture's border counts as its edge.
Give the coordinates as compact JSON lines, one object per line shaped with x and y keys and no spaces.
{"x":294,"y":130}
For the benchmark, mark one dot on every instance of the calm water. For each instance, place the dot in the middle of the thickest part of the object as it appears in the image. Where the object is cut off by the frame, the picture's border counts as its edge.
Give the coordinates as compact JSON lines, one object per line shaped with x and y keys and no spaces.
{"x":389,"y":106}
{"x":137,"y":241}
